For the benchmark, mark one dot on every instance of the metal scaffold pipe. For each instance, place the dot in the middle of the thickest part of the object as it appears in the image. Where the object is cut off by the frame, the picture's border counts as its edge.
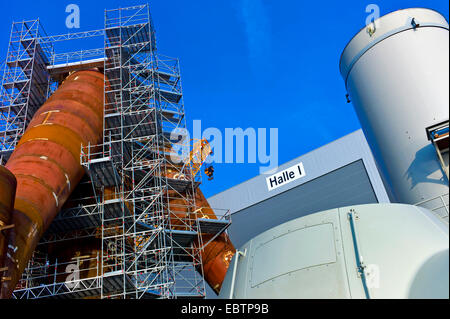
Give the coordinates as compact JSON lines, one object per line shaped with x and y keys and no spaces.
{"x":216,"y":251}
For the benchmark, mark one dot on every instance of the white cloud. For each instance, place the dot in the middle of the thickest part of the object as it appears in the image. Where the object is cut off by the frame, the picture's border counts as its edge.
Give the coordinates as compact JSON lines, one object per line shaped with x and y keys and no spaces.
{"x":254,"y":16}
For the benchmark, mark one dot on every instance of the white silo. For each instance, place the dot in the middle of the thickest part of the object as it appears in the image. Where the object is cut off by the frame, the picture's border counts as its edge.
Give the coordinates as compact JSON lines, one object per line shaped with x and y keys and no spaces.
{"x":396,"y":72}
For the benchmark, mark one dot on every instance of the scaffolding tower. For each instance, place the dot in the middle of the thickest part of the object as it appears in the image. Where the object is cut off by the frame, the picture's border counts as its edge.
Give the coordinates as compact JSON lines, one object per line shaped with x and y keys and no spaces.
{"x":136,"y":184}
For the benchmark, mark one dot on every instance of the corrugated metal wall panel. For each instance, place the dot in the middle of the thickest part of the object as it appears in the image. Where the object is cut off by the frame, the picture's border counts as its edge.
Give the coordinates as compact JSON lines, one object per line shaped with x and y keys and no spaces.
{"x":341,"y":152}
{"x":349,"y":185}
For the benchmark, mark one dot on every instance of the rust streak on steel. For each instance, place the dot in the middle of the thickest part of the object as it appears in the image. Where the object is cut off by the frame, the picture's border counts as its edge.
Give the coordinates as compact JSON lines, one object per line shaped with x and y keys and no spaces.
{"x":46,"y":163}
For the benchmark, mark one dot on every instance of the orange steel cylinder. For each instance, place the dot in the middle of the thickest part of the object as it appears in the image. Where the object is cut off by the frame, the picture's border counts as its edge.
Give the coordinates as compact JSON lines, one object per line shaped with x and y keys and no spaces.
{"x":46,"y":163}
{"x":216,"y":256}
{"x":8,"y":185}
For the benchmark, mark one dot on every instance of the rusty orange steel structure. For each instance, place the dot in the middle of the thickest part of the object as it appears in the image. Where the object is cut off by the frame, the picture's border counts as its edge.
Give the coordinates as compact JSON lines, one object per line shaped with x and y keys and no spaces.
{"x":216,"y":256}
{"x":8,"y":185}
{"x":46,"y":164}
{"x":201,"y":149}
{"x":216,"y":251}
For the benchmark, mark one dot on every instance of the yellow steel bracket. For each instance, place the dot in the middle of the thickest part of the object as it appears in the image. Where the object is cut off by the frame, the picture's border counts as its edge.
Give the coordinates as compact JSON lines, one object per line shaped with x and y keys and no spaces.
{"x":200,"y":152}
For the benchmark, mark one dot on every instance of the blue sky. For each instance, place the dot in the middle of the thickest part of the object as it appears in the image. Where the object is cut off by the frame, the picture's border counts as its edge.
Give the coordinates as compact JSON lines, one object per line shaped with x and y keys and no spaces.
{"x":246,"y":63}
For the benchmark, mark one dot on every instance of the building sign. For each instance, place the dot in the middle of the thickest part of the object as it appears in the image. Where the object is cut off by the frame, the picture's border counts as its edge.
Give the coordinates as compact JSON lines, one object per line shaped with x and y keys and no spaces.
{"x":286,"y":176}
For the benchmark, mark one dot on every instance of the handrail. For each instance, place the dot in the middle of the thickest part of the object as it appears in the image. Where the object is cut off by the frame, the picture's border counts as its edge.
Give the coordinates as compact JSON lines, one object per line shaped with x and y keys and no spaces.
{"x":233,"y":277}
{"x":361,"y":266}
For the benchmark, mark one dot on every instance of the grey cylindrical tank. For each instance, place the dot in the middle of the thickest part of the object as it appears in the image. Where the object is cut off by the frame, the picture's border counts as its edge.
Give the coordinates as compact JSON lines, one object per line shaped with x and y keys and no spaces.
{"x":363,"y":251}
{"x":397,"y":77}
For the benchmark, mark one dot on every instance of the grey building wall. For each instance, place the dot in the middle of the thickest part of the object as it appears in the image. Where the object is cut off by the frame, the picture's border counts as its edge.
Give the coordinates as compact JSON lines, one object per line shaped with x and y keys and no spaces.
{"x":348,"y":185}
{"x":338,"y":174}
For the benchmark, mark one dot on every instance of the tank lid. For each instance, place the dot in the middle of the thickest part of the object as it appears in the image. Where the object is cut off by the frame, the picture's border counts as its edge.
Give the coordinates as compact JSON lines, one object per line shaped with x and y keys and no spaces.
{"x":383,"y":28}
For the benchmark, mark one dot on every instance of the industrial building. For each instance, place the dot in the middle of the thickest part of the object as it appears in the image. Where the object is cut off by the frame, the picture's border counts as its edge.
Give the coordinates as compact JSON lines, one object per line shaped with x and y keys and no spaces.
{"x":338,"y":174}
{"x":342,"y":173}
